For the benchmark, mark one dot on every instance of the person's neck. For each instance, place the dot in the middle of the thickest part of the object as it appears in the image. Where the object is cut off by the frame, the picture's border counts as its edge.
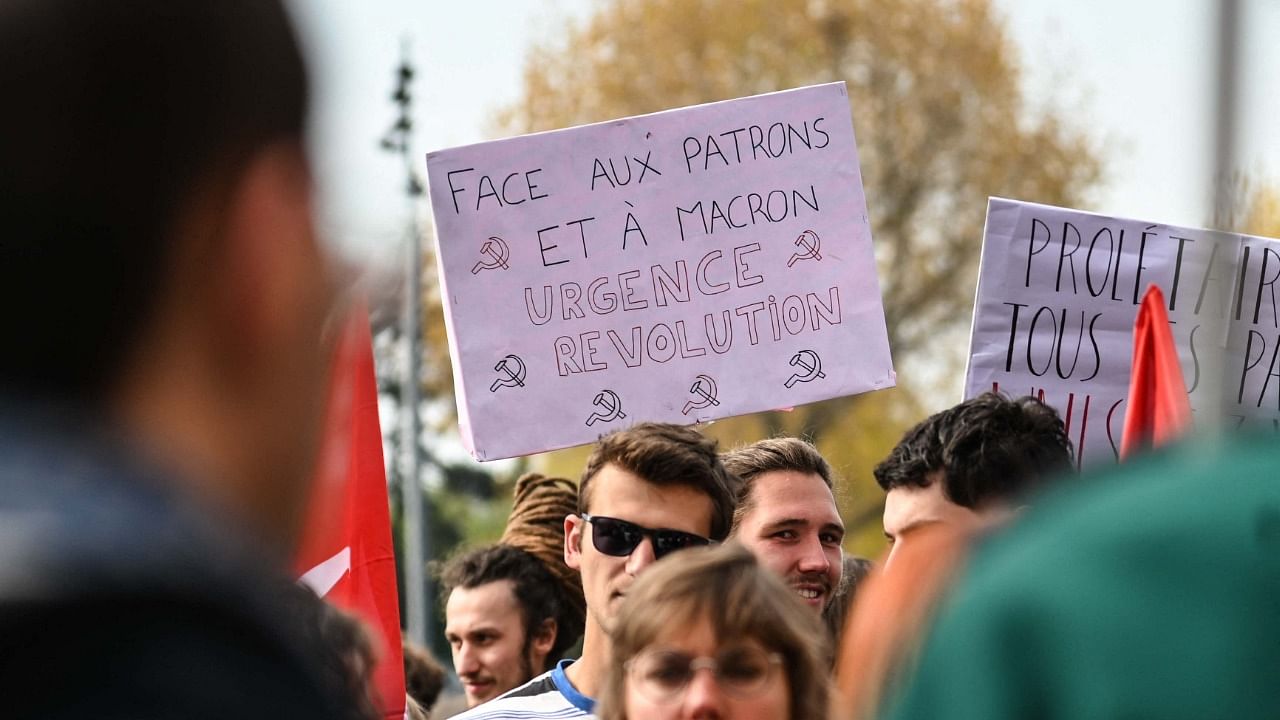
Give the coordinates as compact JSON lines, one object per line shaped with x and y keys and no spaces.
{"x":177,"y":418}
{"x":587,"y":672}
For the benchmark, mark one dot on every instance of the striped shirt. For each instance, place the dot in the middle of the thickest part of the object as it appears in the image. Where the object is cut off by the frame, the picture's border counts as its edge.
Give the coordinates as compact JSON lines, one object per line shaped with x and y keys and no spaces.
{"x":550,"y":695}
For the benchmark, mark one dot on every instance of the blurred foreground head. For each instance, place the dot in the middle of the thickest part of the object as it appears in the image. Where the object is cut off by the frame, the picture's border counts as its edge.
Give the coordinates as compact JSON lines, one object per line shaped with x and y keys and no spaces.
{"x":1147,"y":591}
{"x":971,"y":464}
{"x":344,"y":645}
{"x":713,"y":634}
{"x":158,"y":253}
{"x":893,"y":612}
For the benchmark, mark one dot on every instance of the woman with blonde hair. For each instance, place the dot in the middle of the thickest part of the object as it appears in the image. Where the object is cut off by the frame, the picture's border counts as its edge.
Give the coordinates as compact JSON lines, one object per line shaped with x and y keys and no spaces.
{"x":708,"y":633}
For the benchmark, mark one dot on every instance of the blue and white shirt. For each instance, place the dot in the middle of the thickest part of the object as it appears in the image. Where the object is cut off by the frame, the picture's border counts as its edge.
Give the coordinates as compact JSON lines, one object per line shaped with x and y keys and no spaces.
{"x":550,"y":695}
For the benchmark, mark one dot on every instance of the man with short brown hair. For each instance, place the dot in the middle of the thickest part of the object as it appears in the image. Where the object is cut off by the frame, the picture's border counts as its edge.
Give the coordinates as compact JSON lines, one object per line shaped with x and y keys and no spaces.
{"x":647,"y":491}
{"x":787,"y":515}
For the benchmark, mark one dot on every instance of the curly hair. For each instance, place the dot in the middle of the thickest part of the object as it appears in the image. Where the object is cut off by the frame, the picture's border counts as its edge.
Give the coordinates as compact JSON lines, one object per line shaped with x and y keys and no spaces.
{"x":665,"y":454}
{"x":534,"y":587}
{"x":726,"y":587}
{"x":987,"y":448}
{"x":342,"y":646}
{"x":424,"y":677}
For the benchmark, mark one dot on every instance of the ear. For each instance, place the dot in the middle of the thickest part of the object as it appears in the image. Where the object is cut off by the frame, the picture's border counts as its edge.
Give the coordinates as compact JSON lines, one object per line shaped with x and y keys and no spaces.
{"x":573,"y":529}
{"x":269,"y":247}
{"x":268,"y":305}
{"x":544,"y":637}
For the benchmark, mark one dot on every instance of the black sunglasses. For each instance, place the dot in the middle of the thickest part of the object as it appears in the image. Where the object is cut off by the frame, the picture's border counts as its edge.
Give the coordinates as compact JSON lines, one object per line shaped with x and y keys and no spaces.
{"x":620,"y":538}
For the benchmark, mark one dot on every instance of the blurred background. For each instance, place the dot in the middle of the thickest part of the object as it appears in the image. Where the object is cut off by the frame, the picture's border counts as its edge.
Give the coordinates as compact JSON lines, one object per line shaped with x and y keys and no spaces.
{"x":1111,"y":107}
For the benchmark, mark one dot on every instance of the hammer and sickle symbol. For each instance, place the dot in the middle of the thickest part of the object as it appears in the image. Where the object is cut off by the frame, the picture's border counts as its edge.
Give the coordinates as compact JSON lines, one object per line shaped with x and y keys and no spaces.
{"x":513,"y":368}
{"x":498,"y":253}
{"x":809,"y":367}
{"x":812,"y":245}
{"x":610,"y":408}
{"x":705,"y":388}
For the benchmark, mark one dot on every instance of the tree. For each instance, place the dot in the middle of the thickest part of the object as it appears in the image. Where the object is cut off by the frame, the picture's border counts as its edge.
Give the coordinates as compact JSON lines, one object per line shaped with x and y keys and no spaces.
{"x":1262,"y":216}
{"x":940,"y":121}
{"x":937,"y":109}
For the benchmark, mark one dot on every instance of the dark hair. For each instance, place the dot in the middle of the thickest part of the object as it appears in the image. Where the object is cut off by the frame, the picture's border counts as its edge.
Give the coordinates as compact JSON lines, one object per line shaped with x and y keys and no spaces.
{"x":117,"y":115}
{"x":727,"y":588}
{"x":834,"y":615}
{"x":342,"y":646}
{"x":768,"y":455}
{"x":665,"y":454}
{"x":423,"y":675}
{"x":987,"y":448}
{"x":534,"y":587}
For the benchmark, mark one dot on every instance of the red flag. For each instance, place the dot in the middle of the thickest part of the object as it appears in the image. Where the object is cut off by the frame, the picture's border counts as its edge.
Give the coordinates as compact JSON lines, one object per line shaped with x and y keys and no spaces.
{"x":346,"y":554}
{"x":1159,"y":410}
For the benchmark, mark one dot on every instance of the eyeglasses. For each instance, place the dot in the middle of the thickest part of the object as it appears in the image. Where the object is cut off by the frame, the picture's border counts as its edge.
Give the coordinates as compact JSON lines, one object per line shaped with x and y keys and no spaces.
{"x":620,"y":538}
{"x":664,"y":675}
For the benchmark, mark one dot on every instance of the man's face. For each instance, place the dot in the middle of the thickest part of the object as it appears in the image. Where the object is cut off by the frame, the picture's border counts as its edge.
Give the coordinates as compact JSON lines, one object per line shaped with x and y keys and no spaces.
{"x":909,"y":507}
{"x":794,"y":529}
{"x":617,"y":493}
{"x":485,"y":629}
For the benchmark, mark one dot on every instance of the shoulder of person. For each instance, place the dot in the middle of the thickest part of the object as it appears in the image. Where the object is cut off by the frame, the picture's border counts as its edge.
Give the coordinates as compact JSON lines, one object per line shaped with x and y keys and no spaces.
{"x":538,"y":698}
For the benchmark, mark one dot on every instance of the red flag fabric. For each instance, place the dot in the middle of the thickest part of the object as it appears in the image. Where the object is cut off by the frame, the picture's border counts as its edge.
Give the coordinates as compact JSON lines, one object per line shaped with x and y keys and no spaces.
{"x":1159,"y":409}
{"x":346,"y":554}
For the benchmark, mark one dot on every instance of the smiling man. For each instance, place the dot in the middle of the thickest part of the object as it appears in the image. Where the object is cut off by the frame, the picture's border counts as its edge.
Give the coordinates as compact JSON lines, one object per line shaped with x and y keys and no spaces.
{"x":787,"y":515}
{"x":646,"y":492}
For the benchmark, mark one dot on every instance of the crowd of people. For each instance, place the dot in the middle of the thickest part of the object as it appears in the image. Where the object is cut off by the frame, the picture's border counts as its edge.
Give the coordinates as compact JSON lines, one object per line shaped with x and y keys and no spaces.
{"x":752,"y":567}
{"x":159,"y":412}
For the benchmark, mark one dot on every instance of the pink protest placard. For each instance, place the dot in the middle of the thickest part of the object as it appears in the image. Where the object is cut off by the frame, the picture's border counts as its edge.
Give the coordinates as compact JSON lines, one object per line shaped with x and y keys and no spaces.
{"x":682,"y":266}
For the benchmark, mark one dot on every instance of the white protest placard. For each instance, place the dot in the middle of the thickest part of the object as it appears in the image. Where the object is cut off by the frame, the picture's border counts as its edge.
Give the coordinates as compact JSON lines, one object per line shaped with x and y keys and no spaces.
{"x":1058,"y":292}
{"x":681,"y":266}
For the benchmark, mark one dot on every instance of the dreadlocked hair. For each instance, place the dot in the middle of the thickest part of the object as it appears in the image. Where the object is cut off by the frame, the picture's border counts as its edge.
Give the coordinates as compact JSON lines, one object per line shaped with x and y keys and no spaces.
{"x":536,"y":526}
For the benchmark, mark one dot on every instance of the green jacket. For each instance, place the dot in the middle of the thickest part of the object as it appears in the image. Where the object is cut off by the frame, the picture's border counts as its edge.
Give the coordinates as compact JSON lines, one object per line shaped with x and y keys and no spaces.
{"x":1148,"y":591}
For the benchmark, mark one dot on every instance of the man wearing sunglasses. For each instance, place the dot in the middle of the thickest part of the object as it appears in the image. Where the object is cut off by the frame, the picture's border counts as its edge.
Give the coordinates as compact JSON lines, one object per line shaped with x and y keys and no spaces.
{"x":646,"y":492}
